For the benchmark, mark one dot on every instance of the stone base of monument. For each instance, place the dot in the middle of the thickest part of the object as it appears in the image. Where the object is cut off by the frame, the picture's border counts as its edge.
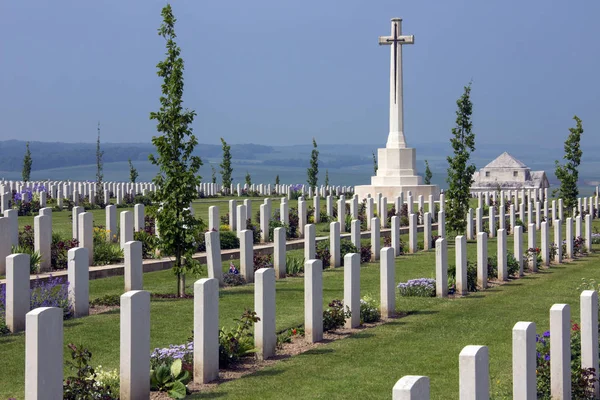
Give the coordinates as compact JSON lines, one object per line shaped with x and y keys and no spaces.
{"x":397,"y":173}
{"x":391,"y":192}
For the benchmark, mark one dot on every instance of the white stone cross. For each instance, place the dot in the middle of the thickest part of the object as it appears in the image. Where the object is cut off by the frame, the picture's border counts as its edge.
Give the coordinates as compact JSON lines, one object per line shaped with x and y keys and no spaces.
{"x":396,"y":40}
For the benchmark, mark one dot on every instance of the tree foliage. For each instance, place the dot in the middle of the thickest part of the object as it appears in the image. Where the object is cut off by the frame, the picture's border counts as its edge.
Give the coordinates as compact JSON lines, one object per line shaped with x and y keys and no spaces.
{"x":277,"y":179}
{"x":374,"y":164}
{"x":248,"y":179}
{"x":226,"y":169}
{"x":460,"y":171}
{"x":313,"y":169}
{"x":177,"y":178}
{"x":428,"y":174}
{"x":214,"y":174}
{"x":568,"y":173}
{"x":27,"y":161}
{"x":326,"y":177}
{"x":133,"y":174}
{"x":99,"y":168}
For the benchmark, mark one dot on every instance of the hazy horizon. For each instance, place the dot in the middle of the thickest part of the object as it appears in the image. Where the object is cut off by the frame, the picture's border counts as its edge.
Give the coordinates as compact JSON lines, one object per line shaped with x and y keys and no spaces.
{"x":281,"y":73}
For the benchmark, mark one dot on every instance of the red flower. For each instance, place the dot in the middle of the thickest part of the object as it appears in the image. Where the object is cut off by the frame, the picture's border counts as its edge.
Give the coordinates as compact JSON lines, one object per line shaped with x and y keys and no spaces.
{"x":575,"y":328}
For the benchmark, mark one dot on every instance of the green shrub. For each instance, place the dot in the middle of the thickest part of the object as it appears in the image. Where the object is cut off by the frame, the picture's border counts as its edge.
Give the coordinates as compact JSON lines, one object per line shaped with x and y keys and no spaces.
{"x":107,"y":253}
{"x":471,"y":275}
{"x":323,"y":253}
{"x":334,"y":317}
{"x":294,"y":266}
{"x":237,"y":342}
{"x":229,"y":240}
{"x":230,"y":279}
{"x":512,"y":265}
{"x":369,"y":310}
{"x":149,"y":243}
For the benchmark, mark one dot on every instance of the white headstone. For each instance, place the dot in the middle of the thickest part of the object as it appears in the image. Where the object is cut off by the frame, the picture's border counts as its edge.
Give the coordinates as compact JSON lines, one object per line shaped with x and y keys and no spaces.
{"x":265,"y":336}
{"x":126,"y":227}
{"x":78,"y":275}
{"x":206,"y":330}
{"x":279,"y":252}
{"x":482,"y":260}
{"x":42,"y":234}
{"x":44,"y":353}
{"x":17,"y":291}
{"x":375,"y":239}
{"x":134,"y":267}
{"x":334,"y":245}
{"x":474,"y":373}
{"x":313,"y":300}
{"x":352,"y":288}
{"x":461,"y":265}
{"x":135,"y":345}
{"x":387,"y":283}
{"x":560,"y":351}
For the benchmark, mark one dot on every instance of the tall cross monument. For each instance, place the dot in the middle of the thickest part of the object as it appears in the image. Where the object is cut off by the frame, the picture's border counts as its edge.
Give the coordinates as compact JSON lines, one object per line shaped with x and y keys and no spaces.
{"x":397,"y":172}
{"x":396,"y":41}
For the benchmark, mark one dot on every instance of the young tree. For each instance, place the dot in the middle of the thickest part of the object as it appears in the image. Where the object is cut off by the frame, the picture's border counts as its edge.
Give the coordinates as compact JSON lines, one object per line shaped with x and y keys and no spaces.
{"x":99,"y":168}
{"x":177,"y":178}
{"x":460,"y":172}
{"x":326,"y":177}
{"x":374,"y":164}
{"x":568,"y":174}
{"x":248,"y":179}
{"x":277,"y":179}
{"x":428,"y":174}
{"x":27,"y":161}
{"x":214,"y":174}
{"x":313,"y":169}
{"x":133,"y":174}
{"x":226,"y":169}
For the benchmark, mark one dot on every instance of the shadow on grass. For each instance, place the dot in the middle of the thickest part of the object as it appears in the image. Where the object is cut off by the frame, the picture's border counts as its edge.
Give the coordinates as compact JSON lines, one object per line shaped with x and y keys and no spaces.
{"x":361,"y":335}
{"x":207,"y":395}
{"x":318,"y":351}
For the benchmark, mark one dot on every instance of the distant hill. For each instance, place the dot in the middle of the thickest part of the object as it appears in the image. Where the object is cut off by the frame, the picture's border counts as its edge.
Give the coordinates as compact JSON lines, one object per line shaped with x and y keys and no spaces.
{"x":348,"y":164}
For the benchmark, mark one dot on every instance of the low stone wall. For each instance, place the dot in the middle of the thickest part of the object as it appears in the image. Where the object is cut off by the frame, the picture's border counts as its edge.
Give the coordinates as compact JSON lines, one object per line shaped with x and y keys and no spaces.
{"x":151,"y":265}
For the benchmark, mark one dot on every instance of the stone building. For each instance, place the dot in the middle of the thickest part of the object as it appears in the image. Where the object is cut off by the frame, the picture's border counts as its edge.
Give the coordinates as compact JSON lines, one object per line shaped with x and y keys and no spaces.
{"x":507,"y":173}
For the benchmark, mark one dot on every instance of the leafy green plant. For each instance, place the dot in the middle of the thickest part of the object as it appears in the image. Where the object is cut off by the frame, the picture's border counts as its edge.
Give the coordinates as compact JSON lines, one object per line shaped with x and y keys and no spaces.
{"x":237,"y":342}
{"x":84,"y":385}
{"x":149,"y":243}
{"x":294,"y":266}
{"x":313,"y":169}
{"x":171,"y":379}
{"x":334,"y":316}
{"x":226,"y":169}
{"x":230,"y":279}
{"x":229,"y":240}
{"x":107,"y":253}
{"x":35,"y":258}
{"x":512,"y":265}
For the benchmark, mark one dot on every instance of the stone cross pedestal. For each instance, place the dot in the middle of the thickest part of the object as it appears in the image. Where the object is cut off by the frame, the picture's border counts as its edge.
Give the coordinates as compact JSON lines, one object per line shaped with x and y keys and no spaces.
{"x":397,"y":170}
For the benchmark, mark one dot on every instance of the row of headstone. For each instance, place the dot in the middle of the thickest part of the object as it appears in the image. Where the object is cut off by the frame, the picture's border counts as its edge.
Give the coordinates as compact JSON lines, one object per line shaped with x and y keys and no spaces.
{"x":502,"y":252}
{"x":72,"y":190}
{"x":82,"y":230}
{"x":18,"y":281}
{"x":474,"y":368}
{"x":44,"y":363}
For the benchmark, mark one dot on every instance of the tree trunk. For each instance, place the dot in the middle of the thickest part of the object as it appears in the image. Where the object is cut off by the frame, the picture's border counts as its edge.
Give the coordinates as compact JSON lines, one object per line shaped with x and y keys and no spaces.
{"x":181,"y":285}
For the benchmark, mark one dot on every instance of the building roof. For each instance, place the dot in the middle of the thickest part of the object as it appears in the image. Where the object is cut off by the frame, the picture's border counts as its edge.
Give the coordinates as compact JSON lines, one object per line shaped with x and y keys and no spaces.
{"x":505,"y":160}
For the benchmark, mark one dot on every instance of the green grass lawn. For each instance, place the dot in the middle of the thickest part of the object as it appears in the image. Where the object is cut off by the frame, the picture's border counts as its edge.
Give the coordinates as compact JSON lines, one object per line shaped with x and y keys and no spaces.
{"x":366,"y":365}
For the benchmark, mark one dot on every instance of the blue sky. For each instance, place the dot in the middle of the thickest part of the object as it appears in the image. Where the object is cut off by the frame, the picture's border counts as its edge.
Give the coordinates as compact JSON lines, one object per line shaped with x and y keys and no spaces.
{"x":281,"y":72}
